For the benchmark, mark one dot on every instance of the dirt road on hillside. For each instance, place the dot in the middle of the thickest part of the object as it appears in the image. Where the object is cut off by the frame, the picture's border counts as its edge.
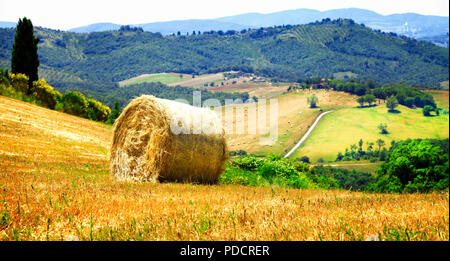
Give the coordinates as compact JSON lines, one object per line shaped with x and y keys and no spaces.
{"x":306,"y":134}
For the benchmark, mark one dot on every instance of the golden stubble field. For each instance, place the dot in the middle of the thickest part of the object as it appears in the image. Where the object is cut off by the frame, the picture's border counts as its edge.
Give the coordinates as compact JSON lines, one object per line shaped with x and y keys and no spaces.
{"x":55,"y":185}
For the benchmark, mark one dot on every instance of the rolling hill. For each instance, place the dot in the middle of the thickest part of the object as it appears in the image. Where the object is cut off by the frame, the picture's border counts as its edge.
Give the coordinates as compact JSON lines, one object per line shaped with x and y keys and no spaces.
{"x":342,"y":128}
{"x":95,"y":62}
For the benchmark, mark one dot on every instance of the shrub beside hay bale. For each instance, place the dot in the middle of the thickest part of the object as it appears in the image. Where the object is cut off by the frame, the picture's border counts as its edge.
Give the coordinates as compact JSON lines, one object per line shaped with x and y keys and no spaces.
{"x":161,"y":140}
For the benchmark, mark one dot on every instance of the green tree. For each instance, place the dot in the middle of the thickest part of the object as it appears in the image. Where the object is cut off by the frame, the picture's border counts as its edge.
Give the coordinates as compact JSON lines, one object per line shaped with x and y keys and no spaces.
{"x":391,"y":103}
{"x":24,"y":56}
{"x":369,"y":98}
{"x":361,"y":100}
{"x":414,"y":167}
{"x":312,"y":100}
{"x":360,"y":144}
{"x":383,"y":128}
{"x":320,"y":160}
{"x":115,"y":113}
{"x":380,"y":143}
{"x":304,"y":159}
{"x":339,"y":157}
{"x":369,"y":146}
{"x":383,"y":154}
{"x":371,"y":83}
{"x":427,"y":109}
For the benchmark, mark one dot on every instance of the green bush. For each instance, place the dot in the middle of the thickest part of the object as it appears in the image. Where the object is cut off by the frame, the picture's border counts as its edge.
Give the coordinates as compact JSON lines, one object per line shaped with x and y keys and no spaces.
{"x":73,"y":102}
{"x":97,"y":111}
{"x":277,"y":168}
{"x":237,"y":153}
{"x":301,"y":181}
{"x":300,"y":166}
{"x":324,"y":181}
{"x":18,"y":91}
{"x":45,"y":94}
{"x":320,"y":160}
{"x":247,"y":162}
{"x":341,"y":178}
{"x":304,"y":159}
{"x":19,"y":82}
{"x":283,"y":172}
{"x":273,"y":170}
{"x":427,"y":109}
{"x":237,"y":176}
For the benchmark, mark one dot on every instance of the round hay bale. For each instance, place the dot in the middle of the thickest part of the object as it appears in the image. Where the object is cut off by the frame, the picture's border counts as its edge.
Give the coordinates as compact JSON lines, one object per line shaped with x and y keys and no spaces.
{"x":161,"y":140}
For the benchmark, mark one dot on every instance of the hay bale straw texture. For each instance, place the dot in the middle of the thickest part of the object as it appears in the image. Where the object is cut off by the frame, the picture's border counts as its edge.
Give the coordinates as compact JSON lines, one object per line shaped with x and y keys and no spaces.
{"x":162,"y":140}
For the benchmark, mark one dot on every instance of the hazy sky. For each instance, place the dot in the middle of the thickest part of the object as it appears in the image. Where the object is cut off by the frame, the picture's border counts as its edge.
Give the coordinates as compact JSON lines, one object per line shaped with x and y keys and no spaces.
{"x":59,"y":14}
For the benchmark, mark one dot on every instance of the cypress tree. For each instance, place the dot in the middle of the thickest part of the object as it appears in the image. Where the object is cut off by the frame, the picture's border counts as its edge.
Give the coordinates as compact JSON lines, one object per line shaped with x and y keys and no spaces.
{"x":24,"y":57}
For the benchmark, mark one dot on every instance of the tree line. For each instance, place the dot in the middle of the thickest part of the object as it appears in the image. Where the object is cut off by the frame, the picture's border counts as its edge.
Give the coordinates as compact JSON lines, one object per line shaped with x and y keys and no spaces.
{"x":409,"y":96}
{"x":420,"y":165}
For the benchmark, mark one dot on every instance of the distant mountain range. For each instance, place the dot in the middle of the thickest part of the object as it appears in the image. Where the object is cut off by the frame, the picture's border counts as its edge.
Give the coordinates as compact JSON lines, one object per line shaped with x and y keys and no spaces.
{"x":409,"y":24}
{"x":7,"y":24}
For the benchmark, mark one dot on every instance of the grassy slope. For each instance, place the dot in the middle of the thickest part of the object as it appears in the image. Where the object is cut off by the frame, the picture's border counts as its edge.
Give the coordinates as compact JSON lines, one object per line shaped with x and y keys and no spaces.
{"x":340,"y":129}
{"x":55,"y":183}
{"x":295,"y":117}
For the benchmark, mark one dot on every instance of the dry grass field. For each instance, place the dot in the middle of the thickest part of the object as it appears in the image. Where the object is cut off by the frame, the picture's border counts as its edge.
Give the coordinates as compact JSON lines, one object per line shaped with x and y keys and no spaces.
{"x":55,"y":185}
{"x":260,"y":90}
{"x":441,"y":97}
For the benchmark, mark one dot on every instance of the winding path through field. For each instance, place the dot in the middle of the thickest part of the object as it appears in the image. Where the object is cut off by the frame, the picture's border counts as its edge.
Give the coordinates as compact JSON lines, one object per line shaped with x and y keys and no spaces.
{"x":306,"y":134}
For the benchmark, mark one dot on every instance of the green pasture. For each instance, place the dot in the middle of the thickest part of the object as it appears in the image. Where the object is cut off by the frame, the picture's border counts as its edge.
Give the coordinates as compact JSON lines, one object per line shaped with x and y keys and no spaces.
{"x":342,"y":128}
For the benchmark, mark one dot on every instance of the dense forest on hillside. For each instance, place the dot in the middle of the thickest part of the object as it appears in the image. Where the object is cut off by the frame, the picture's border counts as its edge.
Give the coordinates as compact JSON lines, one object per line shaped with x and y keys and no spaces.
{"x":94,"y":62}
